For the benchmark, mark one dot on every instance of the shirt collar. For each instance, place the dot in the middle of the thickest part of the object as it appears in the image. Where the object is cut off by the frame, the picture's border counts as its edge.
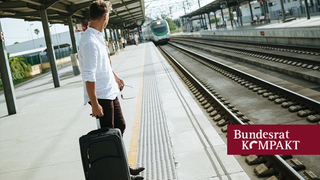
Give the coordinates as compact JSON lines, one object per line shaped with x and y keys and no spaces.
{"x":94,"y":30}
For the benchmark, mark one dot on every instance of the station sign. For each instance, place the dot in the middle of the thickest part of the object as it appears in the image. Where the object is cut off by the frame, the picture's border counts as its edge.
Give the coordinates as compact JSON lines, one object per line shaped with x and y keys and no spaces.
{"x":2,"y":36}
{"x":81,"y":27}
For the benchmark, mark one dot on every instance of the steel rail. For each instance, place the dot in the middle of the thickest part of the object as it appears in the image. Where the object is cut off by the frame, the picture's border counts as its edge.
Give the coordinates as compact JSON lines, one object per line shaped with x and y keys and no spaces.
{"x":274,"y":54}
{"x":282,"y":166}
{"x":282,"y":46}
{"x":311,"y":103}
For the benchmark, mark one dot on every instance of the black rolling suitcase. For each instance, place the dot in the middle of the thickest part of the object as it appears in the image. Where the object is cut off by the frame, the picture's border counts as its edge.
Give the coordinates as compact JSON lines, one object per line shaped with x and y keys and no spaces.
{"x":103,"y":155}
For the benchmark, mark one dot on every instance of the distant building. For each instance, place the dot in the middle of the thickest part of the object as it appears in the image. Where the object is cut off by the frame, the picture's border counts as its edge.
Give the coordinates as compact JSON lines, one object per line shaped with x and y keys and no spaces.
{"x":60,"y":38}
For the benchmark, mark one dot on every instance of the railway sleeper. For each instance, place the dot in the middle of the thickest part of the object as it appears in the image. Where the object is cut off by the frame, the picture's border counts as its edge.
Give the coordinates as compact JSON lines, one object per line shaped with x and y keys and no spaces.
{"x":245,"y":119}
{"x":224,"y":128}
{"x":280,"y":100}
{"x":206,"y":106}
{"x":288,"y":104}
{"x":297,"y":108}
{"x":266,"y":95}
{"x":255,"y":159}
{"x":217,"y":117}
{"x":262,"y":91}
{"x":310,"y":175}
{"x":222,"y":122}
{"x":210,"y":109}
{"x":296,"y":164}
{"x":273,"y":97}
{"x":313,"y":118}
{"x":202,"y":100}
{"x":264,"y":170}
{"x":213,"y":113}
{"x":307,"y":112}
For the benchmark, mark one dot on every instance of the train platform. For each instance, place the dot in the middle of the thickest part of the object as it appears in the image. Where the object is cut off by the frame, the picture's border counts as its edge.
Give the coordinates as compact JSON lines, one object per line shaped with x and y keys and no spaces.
{"x":297,"y":32}
{"x":166,"y":132}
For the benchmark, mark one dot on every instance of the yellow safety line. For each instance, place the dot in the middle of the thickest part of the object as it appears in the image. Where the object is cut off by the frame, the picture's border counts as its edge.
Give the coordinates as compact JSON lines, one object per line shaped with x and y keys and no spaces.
{"x":134,"y":143}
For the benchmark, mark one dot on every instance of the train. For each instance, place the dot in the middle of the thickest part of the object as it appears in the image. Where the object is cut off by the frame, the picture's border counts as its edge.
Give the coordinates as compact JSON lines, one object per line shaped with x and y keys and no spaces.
{"x":157,"y":31}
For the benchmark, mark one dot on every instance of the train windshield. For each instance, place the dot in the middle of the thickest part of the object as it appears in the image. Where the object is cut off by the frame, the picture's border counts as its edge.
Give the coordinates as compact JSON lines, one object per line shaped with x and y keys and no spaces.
{"x":159,"y":26}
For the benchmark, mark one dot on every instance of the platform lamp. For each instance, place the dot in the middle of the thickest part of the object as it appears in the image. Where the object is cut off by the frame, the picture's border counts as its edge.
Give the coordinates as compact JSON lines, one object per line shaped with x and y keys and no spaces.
{"x":32,"y":35}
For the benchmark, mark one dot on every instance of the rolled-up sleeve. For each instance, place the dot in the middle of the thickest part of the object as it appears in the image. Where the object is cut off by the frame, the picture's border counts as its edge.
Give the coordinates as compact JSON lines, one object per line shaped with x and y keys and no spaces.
{"x":89,"y":64}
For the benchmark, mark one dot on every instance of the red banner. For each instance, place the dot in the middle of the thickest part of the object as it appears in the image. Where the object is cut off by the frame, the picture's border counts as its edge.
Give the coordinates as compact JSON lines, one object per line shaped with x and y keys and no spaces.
{"x":274,"y":139}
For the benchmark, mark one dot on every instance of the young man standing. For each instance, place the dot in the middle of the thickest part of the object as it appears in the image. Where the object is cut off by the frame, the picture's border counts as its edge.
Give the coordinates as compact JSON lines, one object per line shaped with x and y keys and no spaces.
{"x":101,"y":84}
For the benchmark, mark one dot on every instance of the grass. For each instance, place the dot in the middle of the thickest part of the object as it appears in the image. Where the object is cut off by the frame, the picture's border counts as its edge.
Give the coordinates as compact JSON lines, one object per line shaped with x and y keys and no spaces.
{"x":18,"y":81}
{"x":175,"y":31}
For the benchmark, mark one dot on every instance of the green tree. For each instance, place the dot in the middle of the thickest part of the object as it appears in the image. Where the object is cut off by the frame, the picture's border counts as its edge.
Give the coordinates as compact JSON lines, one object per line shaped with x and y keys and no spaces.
{"x":37,"y":31}
{"x":213,"y":20}
{"x":172,"y":25}
{"x":19,"y":69}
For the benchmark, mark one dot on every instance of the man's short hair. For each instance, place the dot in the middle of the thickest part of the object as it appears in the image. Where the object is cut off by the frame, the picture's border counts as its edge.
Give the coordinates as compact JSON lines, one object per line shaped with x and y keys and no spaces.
{"x":98,"y":8}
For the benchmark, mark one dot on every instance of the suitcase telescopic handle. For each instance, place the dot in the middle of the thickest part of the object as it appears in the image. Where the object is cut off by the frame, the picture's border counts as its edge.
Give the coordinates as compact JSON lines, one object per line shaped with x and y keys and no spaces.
{"x":98,"y":122}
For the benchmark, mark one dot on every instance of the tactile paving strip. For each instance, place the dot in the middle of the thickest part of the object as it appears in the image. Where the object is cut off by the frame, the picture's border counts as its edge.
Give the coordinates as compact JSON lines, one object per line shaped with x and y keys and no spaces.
{"x":155,"y":152}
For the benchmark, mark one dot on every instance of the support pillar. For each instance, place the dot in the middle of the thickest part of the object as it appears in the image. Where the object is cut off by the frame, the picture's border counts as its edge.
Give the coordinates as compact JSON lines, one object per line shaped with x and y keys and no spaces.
{"x":250,"y":11}
{"x":117,"y":29}
{"x":283,"y":11}
{"x":74,"y":59}
{"x":222,"y":16}
{"x":50,"y":51}
{"x":307,"y":8}
{"x":231,"y":16}
{"x":209,"y":20}
{"x":6,"y":78}
{"x":105,"y":33}
{"x":110,"y":33}
{"x":205,"y":21}
{"x":215,"y":17}
{"x":114,"y":35}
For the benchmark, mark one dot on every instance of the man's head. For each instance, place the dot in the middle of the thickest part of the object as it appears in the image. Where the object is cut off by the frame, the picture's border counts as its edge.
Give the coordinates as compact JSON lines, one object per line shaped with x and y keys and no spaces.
{"x":100,"y":9}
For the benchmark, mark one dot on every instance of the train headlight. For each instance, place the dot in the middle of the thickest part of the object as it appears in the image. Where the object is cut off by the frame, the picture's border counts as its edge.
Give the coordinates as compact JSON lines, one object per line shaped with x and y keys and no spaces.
{"x":159,"y":22}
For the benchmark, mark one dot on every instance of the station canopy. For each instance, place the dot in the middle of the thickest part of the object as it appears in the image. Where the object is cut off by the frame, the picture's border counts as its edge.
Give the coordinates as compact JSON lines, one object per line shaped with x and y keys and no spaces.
{"x":126,"y":13}
{"x":214,"y":6}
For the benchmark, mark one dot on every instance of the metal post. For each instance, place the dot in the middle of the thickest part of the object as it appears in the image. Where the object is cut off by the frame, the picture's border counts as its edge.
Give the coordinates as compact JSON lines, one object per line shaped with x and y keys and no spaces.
{"x":231,"y":17}
{"x":117,"y":29}
{"x":283,"y":11}
{"x":74,"y":60}
{"x":205,"y":22}
{"x":222,"y":16}
{"x":51,"y":55}
{"x":6,"y":78}
{"x":250,"y":11}
{"x":209,"y":20}
{"x":307,"y":9}
{"x":215,"y":17}
{"x":110,"y":33}
{"x":114,"y":35}
{"x":105,"y":33}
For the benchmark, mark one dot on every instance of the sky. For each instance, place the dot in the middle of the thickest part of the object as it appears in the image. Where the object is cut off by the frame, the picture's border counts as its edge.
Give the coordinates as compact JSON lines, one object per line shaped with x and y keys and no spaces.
{"x":18,"y":30}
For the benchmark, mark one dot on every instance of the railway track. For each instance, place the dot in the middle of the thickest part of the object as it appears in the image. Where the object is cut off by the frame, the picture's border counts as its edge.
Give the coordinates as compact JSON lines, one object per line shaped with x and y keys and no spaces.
{"x":303,"y":63}
{"x":223,"y":112}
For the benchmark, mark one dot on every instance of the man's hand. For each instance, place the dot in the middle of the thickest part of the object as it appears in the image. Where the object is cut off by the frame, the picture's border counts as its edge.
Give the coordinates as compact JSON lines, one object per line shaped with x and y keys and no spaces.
{"x":119,"y":81}
{"x":97,"y":111}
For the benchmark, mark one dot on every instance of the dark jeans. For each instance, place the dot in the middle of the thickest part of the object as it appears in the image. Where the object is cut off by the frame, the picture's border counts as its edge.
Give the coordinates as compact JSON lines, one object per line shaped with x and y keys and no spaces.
{"x":113,"y":117}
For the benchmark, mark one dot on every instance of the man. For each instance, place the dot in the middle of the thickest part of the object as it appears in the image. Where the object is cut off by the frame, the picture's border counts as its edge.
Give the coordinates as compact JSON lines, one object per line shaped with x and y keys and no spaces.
{"x":101,"y":84}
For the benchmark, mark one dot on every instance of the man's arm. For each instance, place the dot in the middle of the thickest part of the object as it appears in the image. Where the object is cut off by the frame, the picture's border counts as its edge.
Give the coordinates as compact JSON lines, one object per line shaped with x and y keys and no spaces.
{"x":97,"y":110}
{"x":119,"y":81}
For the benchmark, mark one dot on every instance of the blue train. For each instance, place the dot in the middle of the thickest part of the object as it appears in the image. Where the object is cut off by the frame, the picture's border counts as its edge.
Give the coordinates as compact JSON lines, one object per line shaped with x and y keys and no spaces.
{"x":157,"y":31}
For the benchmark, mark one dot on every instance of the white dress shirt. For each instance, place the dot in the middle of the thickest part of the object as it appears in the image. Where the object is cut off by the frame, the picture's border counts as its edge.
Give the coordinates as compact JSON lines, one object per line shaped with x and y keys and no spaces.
{"x":95,"y":65}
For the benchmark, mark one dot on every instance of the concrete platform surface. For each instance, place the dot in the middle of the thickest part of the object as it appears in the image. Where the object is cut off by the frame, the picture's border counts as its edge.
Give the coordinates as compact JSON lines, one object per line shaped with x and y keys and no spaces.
{"x":166,"y":130}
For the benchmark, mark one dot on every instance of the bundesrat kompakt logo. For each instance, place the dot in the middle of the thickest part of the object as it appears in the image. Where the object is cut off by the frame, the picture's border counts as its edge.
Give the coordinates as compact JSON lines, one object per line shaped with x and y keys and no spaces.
{"x":273,"y":139}
{"x":266,"y":140}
